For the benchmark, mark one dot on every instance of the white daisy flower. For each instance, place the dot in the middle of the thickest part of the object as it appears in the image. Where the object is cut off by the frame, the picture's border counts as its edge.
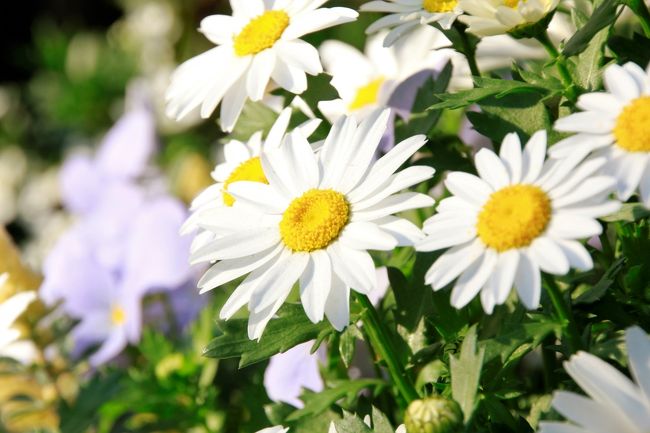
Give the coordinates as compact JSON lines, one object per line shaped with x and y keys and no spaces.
{"x":495,"y":17}
{"x":615,"y":403}
{"x":519,"y":216}
{"x":242,"y":163}
{"x":313,"y":222}
{"x":10,"y":344}
{"x":405,"y":16}
{"x":257,"y":45}
{"x":366,"y":81}
{"x":615,"y":124}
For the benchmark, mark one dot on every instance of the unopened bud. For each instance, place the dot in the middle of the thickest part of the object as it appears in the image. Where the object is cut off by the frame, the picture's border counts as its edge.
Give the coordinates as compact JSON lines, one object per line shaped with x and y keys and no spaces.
{"x":433,"y":414}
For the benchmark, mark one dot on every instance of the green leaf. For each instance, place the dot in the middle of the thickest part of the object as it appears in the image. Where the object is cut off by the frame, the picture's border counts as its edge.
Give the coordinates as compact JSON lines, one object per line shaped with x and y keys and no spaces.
{"x":85,"y":411}
{"x":380,"y":423}
{"x":603,"y":16}
{"x":588,"y":69}
{"x":291,"y":328}
{"x":599,"y":289}
{"x":347,"y":344}
{"x":254,"y":117}
{"x":411,"y":298}
{"x":466,"y":372}
{"x":627,"y":50}
{"x":629,"y":212}
{"x":320,"y":402}
{"x":351,"y":424}
{"x":485,"y":88}
{"x":524,"y":114}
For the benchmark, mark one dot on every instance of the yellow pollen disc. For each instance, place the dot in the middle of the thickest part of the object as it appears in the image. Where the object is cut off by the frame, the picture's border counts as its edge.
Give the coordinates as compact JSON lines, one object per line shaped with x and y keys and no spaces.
{"x":314,"y":220}
{"x":632,"y":130}
{"x":118,"y":316}
{"x":513,"y":217}
{"x":367,"y":95}
{"x":439,"y":6}
{"x":511,"y":3}
{"x":250,"y":170}
{"x":261,"y":32}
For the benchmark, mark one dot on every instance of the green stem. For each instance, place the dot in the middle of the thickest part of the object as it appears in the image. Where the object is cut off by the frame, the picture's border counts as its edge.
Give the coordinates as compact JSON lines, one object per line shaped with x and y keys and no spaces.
{"x":563,"y":311}
{"x":467,"y":49}
{"x":641,"y":11}
{"x":382,"y":345}
{"x":560,"y":64}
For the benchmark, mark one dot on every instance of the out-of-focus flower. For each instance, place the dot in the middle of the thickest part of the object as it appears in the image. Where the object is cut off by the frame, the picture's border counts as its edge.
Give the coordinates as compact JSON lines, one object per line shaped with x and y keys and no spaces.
{"x":406,"y":16}
{"x":289,"y":372}
{"x":522,"y":214}
{"x":10,"y":344}
{"x":125,"y":243}
{"x":257,"y":45}
{"x":495,"y":17}
{"x":615,"y":124}
{"x":367,"y":81}
{"x":242,"y":163}
{"x":314,"y":222}
{"x":615,"y":403}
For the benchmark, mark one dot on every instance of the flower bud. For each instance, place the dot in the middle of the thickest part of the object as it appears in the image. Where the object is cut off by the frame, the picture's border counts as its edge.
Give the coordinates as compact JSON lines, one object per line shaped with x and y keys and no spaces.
{"x":433,"y":414}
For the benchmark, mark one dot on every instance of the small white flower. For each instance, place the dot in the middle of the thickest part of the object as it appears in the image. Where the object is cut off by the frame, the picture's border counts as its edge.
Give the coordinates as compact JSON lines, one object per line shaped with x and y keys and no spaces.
{"x":366,"y":81}
{"x":257,"y":45}
{"x":313,"y":222}
{"x":495,"y":17}
{"x":615,"y":403}
{"x":10,"y":344}
{"x":615,"y":124}
{"x":519,"y":216}
{"x":242,"y":163}
{"x":405,"y":16}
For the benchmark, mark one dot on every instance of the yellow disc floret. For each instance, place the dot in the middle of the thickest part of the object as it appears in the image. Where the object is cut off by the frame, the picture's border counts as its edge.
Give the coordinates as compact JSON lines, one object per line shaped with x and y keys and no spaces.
{"x":439,"y":6}
{"x":367,"y":95}
{"x":314,"y":220}
{"x":513,"y":217}
{"x":512,"y":4}
{"x":261,"y":32}
{"x":118,"y":315}
{"x":632,"y":130}
{"x":250,"y":170}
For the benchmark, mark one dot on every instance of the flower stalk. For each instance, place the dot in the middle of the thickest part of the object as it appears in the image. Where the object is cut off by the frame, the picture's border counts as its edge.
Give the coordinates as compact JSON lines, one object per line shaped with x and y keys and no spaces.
{"x":381,"y":343}
{"x":560,"y":64}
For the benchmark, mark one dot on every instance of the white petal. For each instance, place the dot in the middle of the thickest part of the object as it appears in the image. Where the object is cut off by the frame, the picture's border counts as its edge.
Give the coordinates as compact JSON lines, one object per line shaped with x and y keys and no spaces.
{"x":355,"y":268}
{"x":573,"y":226}
{"x":264,"y":198}
{"x":452,"y":263}
{"x":301,"y":55}
{"x":362,"y":235}
{"x":278,"y":281}
{"x":528,"y":282}
{"x":259,"y":74}
{"x":394,"y":204}
{"x":491,"y":169}
{"x":468,"y":187}
{"x":315,"y":285}
{"x":548,"y":256}
{"x":619,"y":82}
{"x":638,"y":347}
{"x":510,"y":154}
{"x":473,"y":279}
{"x":577,"y":254}
{"x":237,"y":245}
{"x":533,"y":157}
{"x":337,"y":308}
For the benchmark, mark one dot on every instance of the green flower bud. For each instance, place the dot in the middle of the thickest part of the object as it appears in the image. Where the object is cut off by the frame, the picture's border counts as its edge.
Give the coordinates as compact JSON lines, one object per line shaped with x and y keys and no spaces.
{"x":433,"y":414}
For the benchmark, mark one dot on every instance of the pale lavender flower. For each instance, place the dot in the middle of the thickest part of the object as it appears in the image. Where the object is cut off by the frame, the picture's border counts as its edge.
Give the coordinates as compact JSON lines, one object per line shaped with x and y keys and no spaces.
{"x":289,"y":372}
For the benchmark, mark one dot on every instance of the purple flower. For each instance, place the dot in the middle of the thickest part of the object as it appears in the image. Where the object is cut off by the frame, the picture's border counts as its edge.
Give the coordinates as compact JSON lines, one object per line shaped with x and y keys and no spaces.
{"x":125,"y":243}
{"x":289,"y":372}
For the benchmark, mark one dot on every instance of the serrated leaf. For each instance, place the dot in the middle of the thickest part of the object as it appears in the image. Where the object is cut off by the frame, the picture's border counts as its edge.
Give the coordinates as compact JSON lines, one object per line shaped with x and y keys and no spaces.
{"x":485,"y":88}
{"x":380,"y":423}
{"x":524,"y":114}
{"x":603,"y":16}
{"x":291,"y":328}
{"x":599,"y":289}
{"x":628,"y":212}
{"x":588,"y":65}
{"x":466,"y":372}
{"x":320,"y":402}
{"x":351,"y":424}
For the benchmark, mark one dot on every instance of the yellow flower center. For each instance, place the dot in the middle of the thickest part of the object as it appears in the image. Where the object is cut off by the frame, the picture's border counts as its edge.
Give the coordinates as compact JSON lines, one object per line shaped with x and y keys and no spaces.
{"x":513,"y":217}
{"x":511,"y":3}
{"x":314,"y":220}
{"x":439,"y":6}
{"x":367,"y":95}
{"x":250,"y":170}
{"x":632,"y":130}
{"x":118,"y":315}
{"x":261,"y":32}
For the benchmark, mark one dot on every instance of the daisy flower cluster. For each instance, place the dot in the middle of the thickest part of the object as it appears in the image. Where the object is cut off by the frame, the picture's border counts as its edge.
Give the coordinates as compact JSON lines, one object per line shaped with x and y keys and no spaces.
{"x":409,"y":216}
